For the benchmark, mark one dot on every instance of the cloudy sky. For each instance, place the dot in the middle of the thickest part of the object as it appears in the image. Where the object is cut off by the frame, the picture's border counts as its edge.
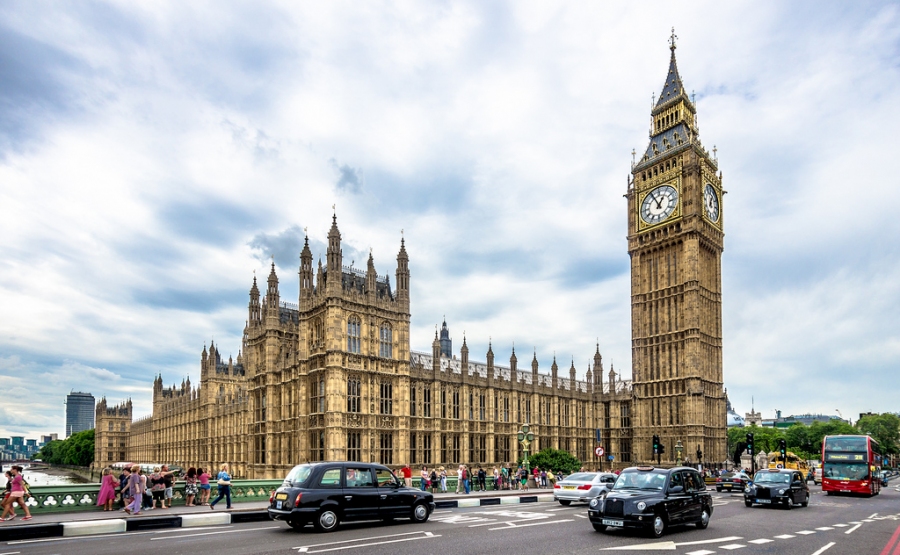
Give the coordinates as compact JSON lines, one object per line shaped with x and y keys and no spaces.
{"x":152,"y":156}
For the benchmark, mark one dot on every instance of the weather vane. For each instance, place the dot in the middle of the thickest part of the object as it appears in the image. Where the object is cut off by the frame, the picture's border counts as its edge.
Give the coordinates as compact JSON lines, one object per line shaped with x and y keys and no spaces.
{"x":672,"y":39}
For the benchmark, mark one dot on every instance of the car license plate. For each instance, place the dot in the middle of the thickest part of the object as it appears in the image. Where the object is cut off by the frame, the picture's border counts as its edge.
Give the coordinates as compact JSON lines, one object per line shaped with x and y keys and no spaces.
{"x":763,"y":501}
{"x":278,"y":504}
{"x":568,"y":487}
{"x":281,"y":496}
{"x":608,"y":522}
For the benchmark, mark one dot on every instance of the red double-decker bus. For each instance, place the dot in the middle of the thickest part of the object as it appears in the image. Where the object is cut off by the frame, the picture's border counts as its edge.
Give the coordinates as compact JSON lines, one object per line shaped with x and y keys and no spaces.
{"x":849,"y":464}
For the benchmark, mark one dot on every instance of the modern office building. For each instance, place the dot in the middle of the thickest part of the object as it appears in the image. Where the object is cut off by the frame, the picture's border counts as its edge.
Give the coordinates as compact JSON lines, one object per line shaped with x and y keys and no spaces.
{"x":79,"y":412}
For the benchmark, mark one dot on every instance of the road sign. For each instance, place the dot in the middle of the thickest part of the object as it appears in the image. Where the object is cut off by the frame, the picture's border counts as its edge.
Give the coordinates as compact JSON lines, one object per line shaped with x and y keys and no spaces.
{"x":599,"y":451}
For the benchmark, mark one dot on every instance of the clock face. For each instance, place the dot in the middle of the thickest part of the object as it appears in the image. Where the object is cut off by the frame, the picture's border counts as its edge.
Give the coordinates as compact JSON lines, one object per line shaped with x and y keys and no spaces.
{"x":711,"y":203}
{"x":659,"y":204}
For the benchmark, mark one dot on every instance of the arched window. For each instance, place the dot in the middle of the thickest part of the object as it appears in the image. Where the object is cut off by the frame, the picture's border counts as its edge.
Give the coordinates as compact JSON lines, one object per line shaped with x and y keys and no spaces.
{"x":353,"y":394}
{"x":353,"y":334}
{"x":387,"y":341}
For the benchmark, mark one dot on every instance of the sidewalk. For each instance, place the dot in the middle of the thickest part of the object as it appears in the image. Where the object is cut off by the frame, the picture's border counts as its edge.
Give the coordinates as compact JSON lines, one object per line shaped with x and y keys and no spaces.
{"x":180,"y":516}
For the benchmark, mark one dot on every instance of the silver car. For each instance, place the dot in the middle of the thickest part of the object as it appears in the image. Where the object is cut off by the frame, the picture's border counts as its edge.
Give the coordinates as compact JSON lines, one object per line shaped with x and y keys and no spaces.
{"x":583,"y":486}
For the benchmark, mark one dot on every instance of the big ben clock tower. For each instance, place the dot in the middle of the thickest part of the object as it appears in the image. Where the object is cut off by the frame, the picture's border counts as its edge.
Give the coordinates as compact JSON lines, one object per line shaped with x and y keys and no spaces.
{"x":675,"y":240}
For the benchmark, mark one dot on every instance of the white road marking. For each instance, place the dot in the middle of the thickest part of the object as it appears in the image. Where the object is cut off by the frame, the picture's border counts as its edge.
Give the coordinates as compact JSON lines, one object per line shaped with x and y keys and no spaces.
{"x":840,"y":525}
{"x":785,"y":537}
{"x":532,"y":524}
{"x":581,"y":516}
{"x":701,"y":552}
{"x":10,"y":553}
{"x":211,"y":533}
{"x":868,"y":520}
{"x":825,"y":528}
{"x":732,"y":546}
{"x":420,"y":536}
{"x":828,"y":546}
{"x":873,"y":515}
{"x":805,"y":532}
{"x":851,"y":530}
{"x":761,"y":541}
{"x":660,"y":546}
{"x":717,"y":540}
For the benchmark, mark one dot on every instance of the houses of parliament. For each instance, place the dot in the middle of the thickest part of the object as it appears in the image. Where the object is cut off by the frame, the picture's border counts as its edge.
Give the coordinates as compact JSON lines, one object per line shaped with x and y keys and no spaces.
{"x":333,"y":377}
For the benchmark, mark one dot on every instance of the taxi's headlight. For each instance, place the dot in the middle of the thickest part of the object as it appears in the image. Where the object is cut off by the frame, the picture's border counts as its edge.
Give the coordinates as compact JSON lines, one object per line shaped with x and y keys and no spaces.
{"x":781,"y":491}
{"x":641,"y":506}
{"x":595,"y":503}
{"x":747,"y":489}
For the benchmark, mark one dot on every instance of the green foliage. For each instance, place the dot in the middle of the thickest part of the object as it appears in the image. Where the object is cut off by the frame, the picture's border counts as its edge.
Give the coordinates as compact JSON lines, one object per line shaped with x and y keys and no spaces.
{"x":553,"y":459}
{"x":77,"y":450}
{"x":884,"y":429}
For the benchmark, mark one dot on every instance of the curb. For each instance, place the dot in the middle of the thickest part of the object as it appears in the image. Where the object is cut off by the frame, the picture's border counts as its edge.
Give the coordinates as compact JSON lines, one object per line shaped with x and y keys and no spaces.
{"x":118,"y":525}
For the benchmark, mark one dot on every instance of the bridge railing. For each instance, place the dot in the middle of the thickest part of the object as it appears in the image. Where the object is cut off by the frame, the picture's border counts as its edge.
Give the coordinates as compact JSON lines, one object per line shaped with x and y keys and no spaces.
{"x":83,"y":497}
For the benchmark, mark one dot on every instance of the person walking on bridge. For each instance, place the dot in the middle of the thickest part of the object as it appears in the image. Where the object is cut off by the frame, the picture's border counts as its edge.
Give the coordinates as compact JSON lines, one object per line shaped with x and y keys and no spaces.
{"x":136,"y":487}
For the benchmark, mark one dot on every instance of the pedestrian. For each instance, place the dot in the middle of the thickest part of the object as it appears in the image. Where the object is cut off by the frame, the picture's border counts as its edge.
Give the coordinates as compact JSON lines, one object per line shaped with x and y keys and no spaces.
{"x":107,"y":494}
{"x":504,"y":476}
{"x":124,"y":495}
{"x":551,"y":479}
{"x":406,"y":471}
{"x":136,"y":489}
{"x":157,"y":488}
{"x":496,"y":474}
{"x":205,"y":488}
{"x":223,"y":481}
{"x":169,"y":481}
{"x":481,"y":478}
{"x":467,"y":479}
{"x":459,"y":479}
{"x":433,"y":480}
{"x":147,"y":497}
{"x":7,"y":499}
{"x":524,"y":476}
{"x":443,"y":480}
{"x":18,"y":493}
{"x":423,"y":485}
{"x":543,"y":478}
{"x":190,"y":487}
{"x":536,"y":472}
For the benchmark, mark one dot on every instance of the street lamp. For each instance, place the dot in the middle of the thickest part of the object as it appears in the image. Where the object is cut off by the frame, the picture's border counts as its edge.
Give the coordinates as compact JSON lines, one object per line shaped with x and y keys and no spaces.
{"x":679,"y":452}
{"x":525,"y":438}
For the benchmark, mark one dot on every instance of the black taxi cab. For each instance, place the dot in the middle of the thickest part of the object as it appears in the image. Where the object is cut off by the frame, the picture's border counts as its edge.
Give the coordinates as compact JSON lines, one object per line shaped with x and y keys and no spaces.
{"x":777,"y":486}
{"x":653,"y":499}
{"x":324,"y":494}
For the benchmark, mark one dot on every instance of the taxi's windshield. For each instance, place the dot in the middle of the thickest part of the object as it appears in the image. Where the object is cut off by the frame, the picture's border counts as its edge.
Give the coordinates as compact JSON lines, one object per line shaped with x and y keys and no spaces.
{"x":640,"y":480}
{"x":772,"y":478}
{"x":298,"y":475}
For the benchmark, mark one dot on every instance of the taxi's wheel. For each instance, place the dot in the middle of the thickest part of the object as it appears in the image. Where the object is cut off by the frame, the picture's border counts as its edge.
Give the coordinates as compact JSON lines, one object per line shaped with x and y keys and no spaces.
{"x":296,"y":525}
{"x":659,"y":527}
{"x":419,"y":513}
{"x":565,"y":502}
{"x":789,"y":504}
{"x":327,"y":521}
{"x":704,"y":519}
{"x":719,"y":490}
{"x":599,"y":527}
{"x":806,"y":502}
{"x":748,"y":503}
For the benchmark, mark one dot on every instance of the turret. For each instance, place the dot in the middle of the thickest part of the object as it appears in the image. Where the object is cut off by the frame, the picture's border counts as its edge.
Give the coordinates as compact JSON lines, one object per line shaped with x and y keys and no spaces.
{"x":254,"y":311}
{"x":320,"y":276}
{"x":403,"y":275}
{"x":534,"y":367}
{"x":464,"y":356}
{"x":572,"y":375}
{"x":371,"y":276}
{"x":446,"y":342}
{"x":612,"y":379}
{"x":306,"y":271}
{"x":554,"y":374}
{"x":513,"y":361}
{"x":490,"y":361}
{"x":436,"y":352}
{"x":598,"y":368}
{"x":334,"y":257}
{"x":273,"y":299}
{"x":589,"y":378}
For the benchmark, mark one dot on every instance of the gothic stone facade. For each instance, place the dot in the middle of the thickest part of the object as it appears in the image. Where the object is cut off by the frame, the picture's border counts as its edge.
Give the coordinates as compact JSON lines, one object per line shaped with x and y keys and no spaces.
{"x":333,"y":377}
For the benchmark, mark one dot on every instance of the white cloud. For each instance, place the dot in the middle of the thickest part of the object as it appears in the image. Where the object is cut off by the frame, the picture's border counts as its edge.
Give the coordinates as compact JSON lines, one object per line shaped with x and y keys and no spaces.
{"x":165,"y":138}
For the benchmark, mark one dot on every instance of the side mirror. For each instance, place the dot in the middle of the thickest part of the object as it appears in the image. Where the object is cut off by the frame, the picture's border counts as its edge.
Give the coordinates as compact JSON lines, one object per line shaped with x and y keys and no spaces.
{"x":676,"y":489}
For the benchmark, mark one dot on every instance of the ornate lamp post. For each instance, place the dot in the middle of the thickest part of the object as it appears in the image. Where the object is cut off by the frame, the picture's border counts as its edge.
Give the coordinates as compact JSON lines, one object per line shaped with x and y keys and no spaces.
{"x":525,"y":438}
{"x":679,"y":452}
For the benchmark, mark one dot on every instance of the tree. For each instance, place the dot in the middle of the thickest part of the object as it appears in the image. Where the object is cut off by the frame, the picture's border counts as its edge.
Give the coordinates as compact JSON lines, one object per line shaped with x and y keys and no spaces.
{"x":554,"y":459}
{"x":883,"y":428}
{"x":76,"y":450}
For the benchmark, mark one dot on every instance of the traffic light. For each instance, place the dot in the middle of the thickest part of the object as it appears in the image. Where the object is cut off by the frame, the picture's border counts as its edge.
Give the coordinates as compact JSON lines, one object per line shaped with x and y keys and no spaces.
{"x":662,"y":449}
{"x":782,"y":447}
{"x":750,"y":444}
{"x":656,"y":446}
